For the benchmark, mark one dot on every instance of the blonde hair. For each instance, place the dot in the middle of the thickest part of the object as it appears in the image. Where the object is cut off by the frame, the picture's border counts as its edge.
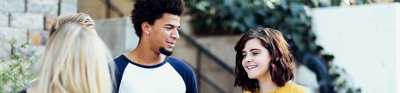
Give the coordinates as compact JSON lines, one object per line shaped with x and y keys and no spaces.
{"x":80,"y":18}
{"x":75,"y":61}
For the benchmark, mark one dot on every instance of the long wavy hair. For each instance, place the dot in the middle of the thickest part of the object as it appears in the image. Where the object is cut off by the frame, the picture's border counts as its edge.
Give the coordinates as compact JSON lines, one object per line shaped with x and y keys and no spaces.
{"x":280,"y":67}
{"x":74,"y":61}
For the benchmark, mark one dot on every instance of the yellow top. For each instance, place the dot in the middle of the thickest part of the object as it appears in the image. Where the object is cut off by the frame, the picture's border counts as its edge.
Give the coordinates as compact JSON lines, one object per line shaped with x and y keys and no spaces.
{"x":288,"y":88}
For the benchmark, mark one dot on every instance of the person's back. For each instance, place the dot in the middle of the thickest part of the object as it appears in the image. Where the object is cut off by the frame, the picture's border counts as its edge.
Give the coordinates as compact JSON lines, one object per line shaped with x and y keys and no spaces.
{"x":149,"y":68}
{"x":75,"y":60}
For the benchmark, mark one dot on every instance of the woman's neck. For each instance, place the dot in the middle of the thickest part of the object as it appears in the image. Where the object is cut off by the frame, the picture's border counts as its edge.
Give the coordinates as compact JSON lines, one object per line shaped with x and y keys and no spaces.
{"x":266,"y":84}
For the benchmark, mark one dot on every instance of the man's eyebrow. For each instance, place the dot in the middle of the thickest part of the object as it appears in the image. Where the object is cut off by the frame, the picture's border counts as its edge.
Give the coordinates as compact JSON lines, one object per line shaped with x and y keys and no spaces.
{"x":172,"y":25}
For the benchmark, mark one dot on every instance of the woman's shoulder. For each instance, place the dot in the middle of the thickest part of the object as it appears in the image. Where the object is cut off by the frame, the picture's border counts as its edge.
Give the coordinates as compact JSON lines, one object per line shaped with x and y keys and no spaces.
{"x":250,"y":92}
{"x":294,"y":88}
{"x":288,"y":88}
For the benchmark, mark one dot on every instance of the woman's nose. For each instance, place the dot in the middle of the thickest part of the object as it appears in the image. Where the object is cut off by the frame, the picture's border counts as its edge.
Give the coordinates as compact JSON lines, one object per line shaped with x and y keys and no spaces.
{"x":247,"y":59}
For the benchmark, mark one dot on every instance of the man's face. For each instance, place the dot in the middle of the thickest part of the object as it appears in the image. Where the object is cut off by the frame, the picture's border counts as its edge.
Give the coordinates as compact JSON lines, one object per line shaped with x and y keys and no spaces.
{"x":164,"y":33}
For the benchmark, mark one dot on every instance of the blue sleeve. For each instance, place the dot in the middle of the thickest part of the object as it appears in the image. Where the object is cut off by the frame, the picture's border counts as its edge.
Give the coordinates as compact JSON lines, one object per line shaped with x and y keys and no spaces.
{"x":120,"y":62}
{"x":186,"y":73}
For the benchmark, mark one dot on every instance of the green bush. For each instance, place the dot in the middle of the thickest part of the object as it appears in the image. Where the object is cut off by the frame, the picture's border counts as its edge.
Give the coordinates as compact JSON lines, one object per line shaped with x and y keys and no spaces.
{"x":15,"y":70}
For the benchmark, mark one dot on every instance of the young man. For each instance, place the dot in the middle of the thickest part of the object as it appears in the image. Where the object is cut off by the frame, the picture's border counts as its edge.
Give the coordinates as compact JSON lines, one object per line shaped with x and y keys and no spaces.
{"x":149,"y":68}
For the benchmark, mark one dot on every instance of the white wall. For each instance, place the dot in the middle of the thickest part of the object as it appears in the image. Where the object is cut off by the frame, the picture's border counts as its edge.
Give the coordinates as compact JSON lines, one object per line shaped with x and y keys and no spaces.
{"x":365,"y":40}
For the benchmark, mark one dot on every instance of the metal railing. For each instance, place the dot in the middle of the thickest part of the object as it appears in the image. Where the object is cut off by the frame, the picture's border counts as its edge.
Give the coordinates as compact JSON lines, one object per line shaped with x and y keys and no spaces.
{"x":201,"y":49}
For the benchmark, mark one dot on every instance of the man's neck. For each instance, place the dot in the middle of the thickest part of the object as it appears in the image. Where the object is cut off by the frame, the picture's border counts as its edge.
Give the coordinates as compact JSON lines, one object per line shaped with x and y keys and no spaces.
{"x":144,"y":55}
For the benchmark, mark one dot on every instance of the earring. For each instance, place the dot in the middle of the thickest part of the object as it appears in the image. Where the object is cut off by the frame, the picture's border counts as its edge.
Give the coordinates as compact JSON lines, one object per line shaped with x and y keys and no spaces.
{"x":147,"y":32}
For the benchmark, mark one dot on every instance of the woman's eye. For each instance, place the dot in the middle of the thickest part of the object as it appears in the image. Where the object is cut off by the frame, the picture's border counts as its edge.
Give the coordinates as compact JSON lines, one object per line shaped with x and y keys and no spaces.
{"x":255,"y":53}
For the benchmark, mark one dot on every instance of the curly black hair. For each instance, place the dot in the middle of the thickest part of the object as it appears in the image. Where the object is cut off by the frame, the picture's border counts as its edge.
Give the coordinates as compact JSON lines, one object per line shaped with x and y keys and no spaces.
{"x":151,"y":10}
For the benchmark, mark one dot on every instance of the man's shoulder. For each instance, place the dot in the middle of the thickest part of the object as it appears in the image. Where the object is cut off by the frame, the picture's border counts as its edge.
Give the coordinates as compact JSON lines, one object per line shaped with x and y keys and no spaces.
{"x":121,"y":59}
{"x":179,"y":65}
{"x":120,"y":64}
{"x":173,"y":59}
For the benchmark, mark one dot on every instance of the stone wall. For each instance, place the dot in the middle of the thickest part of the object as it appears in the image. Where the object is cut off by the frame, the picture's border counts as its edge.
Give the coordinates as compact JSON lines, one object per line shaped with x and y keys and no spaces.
{"x":118,"y":34}
{"x":29,"y":21}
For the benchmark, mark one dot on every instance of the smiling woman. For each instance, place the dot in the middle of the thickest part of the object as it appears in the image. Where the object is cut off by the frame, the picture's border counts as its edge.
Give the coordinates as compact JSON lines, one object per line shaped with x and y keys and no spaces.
{"x":263,"y":63}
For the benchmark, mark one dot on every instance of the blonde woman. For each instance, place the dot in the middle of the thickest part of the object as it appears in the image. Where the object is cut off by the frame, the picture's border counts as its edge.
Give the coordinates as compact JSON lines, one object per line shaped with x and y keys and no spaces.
{"x":75,"y":61}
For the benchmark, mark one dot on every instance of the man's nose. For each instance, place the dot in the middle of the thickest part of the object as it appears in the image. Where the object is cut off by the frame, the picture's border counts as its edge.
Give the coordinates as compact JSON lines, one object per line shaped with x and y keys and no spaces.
{"x":175,"y":34}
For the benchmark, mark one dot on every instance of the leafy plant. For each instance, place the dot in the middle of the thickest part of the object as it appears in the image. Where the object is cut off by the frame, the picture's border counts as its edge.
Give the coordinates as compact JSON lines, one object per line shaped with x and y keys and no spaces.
{"x":216,"y":17}
{"x":15,"y":70}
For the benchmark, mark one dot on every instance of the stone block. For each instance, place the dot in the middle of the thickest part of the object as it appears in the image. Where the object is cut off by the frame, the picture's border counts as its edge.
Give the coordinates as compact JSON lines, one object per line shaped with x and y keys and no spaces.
{"x":4,"y":19}
{"x":12,"y":5}
{"x":38,"y":37}
{"x":5,"y":49}
{"x":68,"y":6}
{"x":118,"y":34}
{"x":27,"y":20}
{"x":46,"y":7}
{"x":48,"y":22}
{"x":6,"y":34}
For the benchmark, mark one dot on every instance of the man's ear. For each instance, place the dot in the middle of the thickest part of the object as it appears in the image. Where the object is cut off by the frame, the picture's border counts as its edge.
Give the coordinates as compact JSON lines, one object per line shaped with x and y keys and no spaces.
{"x":146,"y":27}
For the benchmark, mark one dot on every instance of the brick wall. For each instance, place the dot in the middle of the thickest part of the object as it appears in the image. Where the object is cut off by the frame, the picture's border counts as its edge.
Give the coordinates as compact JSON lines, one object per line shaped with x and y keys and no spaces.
{"x":29,"y":21}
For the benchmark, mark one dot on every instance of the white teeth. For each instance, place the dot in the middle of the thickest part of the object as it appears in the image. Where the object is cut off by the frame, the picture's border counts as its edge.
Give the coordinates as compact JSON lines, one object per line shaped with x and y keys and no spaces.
{"x":250,"y":67}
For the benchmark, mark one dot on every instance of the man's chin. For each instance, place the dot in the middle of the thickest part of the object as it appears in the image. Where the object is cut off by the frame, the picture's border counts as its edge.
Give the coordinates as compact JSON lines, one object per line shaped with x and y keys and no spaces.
{"x":166,"y":52}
